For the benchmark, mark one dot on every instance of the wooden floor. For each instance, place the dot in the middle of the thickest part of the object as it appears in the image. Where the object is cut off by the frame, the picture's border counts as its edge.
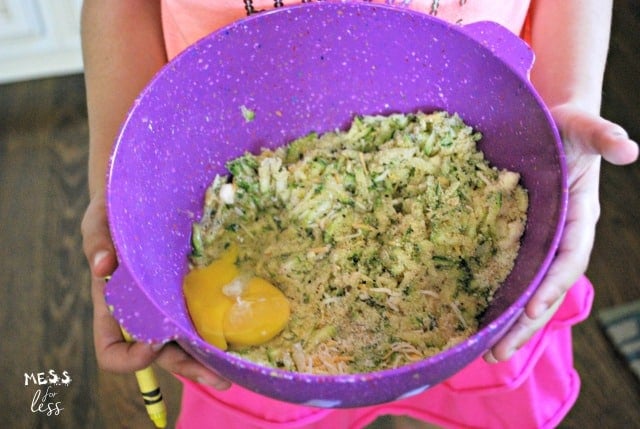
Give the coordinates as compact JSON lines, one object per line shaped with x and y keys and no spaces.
{"x":44,"y":292}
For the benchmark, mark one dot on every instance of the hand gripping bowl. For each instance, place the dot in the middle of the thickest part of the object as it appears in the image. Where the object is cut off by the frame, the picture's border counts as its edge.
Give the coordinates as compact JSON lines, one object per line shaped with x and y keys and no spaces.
{"x":312,"y":68}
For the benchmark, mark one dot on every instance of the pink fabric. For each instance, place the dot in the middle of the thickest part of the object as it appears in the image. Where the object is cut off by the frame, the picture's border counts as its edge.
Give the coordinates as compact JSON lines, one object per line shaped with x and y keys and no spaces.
{"x":186,"y":21}
{"x":535,"y":389}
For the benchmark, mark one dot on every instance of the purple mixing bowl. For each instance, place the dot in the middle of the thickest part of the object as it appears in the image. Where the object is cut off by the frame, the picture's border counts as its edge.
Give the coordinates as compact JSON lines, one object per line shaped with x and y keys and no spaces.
{"x":312,"y":68}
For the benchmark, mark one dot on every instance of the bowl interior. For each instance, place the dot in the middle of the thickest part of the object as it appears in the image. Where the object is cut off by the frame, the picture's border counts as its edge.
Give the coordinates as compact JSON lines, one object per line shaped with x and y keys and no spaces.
{"x":312,"y":68}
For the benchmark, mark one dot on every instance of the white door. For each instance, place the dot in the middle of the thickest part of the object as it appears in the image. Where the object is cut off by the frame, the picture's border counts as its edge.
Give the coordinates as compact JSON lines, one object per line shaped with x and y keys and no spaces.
{"x":39,"y":38}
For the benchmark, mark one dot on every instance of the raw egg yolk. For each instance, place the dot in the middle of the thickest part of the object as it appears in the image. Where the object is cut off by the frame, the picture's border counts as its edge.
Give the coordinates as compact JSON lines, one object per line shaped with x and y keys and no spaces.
{"x":228,"y":308}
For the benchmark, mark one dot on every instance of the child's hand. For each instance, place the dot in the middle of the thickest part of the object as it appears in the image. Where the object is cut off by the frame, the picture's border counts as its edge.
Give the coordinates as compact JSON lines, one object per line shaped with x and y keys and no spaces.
{"x":586,"y":138}
{"x":112,"y":351}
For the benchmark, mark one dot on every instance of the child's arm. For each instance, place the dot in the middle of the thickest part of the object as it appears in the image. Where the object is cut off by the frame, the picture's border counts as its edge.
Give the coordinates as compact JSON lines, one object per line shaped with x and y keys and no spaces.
{"x":570,"y":39}
{"x":123,"y":48}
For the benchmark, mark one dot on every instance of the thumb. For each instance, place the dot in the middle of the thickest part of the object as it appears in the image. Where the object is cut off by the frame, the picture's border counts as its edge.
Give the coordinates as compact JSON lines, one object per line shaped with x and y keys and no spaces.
{"x":596,"y":135}
{"x":96,"y":239}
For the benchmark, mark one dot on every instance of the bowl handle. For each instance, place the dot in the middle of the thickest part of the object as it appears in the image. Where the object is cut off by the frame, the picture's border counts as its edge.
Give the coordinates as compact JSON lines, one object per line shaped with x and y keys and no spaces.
{"x":504,"y":45}
{"x":135,"y":311}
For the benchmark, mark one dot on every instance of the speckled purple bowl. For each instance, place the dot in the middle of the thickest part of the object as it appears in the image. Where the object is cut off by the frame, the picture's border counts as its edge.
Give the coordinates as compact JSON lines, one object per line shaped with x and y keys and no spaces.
{"x":304,"y":68}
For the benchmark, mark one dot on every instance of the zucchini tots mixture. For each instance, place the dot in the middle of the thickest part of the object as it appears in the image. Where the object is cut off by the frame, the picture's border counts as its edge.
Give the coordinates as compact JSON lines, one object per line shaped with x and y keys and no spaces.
{"x":388,"y":239}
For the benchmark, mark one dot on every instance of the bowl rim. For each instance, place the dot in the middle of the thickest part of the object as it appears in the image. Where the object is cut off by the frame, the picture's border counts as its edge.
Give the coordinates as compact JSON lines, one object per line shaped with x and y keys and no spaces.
{"x":504,"y":320}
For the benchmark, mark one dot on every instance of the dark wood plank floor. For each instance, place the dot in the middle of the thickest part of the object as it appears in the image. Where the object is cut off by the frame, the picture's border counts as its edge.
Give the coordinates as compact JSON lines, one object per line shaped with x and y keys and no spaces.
{"x":44,"y":291}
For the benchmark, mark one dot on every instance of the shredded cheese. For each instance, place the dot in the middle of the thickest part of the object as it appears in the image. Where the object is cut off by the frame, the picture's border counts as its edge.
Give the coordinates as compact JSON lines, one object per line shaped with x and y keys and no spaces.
{"x":389,"y":239}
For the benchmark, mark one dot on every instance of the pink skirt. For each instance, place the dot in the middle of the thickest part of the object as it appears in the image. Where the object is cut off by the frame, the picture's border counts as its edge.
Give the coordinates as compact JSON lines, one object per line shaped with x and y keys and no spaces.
{"x":536,"y":388}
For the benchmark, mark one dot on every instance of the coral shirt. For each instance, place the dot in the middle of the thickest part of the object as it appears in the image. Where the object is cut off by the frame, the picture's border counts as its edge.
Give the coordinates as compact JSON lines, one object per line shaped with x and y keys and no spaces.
{"x":186,"y":21}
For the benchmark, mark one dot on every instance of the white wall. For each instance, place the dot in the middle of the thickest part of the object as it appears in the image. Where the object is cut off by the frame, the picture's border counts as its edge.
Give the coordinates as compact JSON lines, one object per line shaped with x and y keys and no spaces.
{"x":39,"y":38}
